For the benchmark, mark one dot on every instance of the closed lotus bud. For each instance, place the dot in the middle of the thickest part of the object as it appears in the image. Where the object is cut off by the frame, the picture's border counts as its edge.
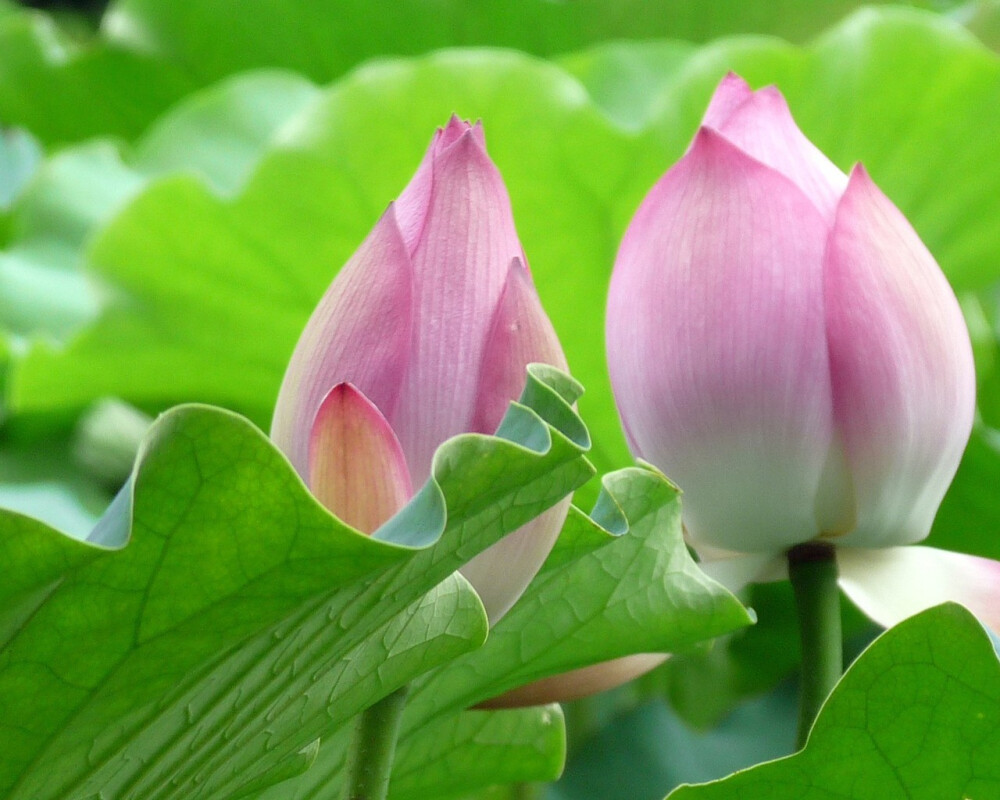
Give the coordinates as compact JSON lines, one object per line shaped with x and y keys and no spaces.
{"x":782,"y":344}
{"x":424,"y":334}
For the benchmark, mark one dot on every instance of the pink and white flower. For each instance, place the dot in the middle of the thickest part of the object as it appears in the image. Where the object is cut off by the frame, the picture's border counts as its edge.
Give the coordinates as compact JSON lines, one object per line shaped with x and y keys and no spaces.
{"x":783,"y":345}
{"x":424,"y":334}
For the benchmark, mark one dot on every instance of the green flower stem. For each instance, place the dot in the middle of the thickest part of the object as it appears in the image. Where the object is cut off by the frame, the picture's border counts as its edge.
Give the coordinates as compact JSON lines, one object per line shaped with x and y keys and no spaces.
{"x":812,"y":569}
{"x":373,"y":746}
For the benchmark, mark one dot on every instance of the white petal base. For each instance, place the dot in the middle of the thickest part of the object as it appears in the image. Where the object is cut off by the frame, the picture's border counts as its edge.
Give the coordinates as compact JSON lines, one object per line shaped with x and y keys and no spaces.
{"x":578,"y":682}
{"x":894,"y":583}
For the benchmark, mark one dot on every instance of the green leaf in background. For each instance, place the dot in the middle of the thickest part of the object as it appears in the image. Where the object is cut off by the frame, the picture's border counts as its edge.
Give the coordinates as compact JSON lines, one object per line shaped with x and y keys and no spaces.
{"x":969,"y":518}
{"x":705,"y":685}
{"x":63,"y":92}
{"x":916,"y":718}
{"x":221,"y":133}
{"x":657,"y":751}
{"x":982,"y":17}
{"x":67,"y":85}
{"x":217,"y":134}
{"x":230,"y":621}
{"x":599,"y":596}
{"x":41,"y":480}
{"x":19,"y":157}
{"x":452,"y":756}
{"x":324,"y":38}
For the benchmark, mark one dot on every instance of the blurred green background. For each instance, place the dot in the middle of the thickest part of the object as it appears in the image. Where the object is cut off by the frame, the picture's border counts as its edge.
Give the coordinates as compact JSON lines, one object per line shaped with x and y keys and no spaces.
{"x":180,"y":181}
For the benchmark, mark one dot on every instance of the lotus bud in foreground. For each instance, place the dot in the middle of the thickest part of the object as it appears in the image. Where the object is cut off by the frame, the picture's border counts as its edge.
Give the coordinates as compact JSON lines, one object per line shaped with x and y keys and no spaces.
{"x":424,"y":334}
{"x":782,"y":344}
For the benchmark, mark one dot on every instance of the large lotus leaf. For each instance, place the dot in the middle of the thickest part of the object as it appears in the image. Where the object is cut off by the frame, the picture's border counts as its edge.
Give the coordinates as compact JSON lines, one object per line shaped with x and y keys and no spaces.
{"x":219,"y":620}
{"x":465,"y":752}
{"x":213,"y":293}
{"x":324,"y":38}
{"x":63,"y":92}
{"x":617,"y":583}
{"x":450,"y":757}
{"x":217,"y":133}
{"x":221,"y":132}
{"x":917,"y":717}
{"x":594,"y":592}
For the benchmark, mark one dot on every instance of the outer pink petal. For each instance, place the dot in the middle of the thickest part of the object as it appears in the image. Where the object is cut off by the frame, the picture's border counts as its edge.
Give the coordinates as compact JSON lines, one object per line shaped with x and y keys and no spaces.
{"x":717,"y":348}
{"x":520,"y":334}
{"x":356,"y":466}
{"x":731,"y":93}
{"x":901,"y":364}
{"x":762,"y":125}
{"x":894,"y":583}
{"x":579,"y":682}
{"x":501,"y":573}
{"x":460,"y":266}
{"x":414,"y":201}
{"x":359,"y":332}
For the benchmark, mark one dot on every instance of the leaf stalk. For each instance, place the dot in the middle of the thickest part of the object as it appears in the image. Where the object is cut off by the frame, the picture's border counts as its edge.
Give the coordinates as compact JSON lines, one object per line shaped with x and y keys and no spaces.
{"x":373,"y":748}
{"x":812,"y":569}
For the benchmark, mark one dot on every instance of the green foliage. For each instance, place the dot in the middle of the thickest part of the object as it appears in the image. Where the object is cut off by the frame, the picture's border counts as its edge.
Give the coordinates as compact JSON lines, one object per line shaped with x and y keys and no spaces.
{"x":63,"y":92}
{"x":323,"y":39}
{"x":600,"y":595}
{"x":917,"y":717}
{"x":230,"y":621}
{"x":165,"y":236}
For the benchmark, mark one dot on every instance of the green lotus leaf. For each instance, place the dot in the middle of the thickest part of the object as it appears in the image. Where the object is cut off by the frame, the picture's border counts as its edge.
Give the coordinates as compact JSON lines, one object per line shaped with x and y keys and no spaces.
{"x":218,"y":620}
{"x":917,"y":717}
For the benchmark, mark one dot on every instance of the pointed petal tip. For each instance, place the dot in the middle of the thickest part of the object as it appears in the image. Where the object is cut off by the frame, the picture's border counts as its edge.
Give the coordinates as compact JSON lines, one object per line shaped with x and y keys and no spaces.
{"x":356,"y":465}
{"x":859,"y":179}
{"x":712,"y":151}
{"x":520,"y":334}
{"x":458,"y":130}
{"x":479,"y":132}
{"x":735,"y":85}
{"x":454,"y":127}
{"x":518,"y":270}
{"x":731,"y":93}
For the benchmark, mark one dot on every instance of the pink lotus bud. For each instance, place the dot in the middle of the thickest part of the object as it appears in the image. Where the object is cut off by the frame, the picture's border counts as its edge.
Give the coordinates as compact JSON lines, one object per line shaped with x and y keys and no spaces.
{"x":783,"y":345}
{"x":578,"y":683}
{"x":424,"y":334}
